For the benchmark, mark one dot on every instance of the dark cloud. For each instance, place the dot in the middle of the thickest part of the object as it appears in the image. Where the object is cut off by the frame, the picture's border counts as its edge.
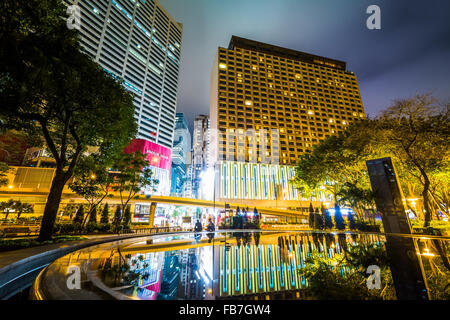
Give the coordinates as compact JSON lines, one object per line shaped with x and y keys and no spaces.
{"x":410,"y":54}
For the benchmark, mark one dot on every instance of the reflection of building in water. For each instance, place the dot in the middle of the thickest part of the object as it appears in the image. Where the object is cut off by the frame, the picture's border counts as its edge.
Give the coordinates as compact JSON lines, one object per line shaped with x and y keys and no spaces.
{"x":170,"y":276}
{"x":270,"y":268}
{"x":151,"y":264}
{"x":194,"y":284}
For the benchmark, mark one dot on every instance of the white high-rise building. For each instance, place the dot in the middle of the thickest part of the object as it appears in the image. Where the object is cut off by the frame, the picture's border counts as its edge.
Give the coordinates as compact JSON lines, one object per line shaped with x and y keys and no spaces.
{"x":200,"y":151}
{"x":137,"y":41}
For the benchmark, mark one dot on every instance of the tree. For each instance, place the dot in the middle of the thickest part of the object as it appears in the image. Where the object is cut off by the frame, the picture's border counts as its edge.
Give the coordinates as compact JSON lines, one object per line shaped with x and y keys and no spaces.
{"x":4,"y":169}
{"x":413,"y":132}
{"x":93,"y":215}
{"x":334,"y":161}
{"x":416,"y":132}
{"x":318,"y":218}
{"x":22,"y":207}
{"x":256,"y":215}
{"x":127,"y":216}
{"x":328,"y":221}
{"x":311,"y":217}
{"x":79,"y":215}
{"x":351,"y":220}
{"x":338,"y":219}
{"x":134,"y":175}
{"x":7,"y":207}
{"x":92,"y":181}
{"x":117,"y":216}
{"x":105,"y":214}
{"x":360,"y":199}
{"x":50,"y":88}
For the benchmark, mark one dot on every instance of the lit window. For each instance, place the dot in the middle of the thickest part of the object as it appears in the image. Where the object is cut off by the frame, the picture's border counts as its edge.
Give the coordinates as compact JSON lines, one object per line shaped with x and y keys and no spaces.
{"x":222,"y":66}
{"x":310,"y":112}
{"x":248,"y":103}
{"x":331,"y":120}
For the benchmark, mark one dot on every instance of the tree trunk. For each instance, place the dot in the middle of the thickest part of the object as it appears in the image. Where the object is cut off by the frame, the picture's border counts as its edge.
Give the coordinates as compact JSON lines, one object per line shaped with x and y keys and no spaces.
{"x":51,"y":207}
{"x":426,"y":201}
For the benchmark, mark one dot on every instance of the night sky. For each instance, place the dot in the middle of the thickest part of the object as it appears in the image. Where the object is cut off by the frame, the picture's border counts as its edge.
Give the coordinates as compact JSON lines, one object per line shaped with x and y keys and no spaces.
{"x":409,"y":55}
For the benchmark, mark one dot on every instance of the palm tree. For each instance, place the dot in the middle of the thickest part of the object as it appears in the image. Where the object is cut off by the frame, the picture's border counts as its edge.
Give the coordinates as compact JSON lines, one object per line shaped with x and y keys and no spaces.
{"x":23,"y":208}
{"x":7,"y":207}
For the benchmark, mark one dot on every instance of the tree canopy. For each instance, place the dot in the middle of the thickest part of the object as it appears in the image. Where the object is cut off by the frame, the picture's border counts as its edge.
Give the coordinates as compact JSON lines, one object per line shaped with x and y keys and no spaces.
{"x":49,"y":88}
{"x":414,"y":132}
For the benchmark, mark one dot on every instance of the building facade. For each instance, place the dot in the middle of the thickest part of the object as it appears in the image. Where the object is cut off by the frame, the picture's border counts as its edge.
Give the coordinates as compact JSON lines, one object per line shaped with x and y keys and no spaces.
{"x":200,"y":152}
{"x":159,"y":159}
{"x":269,"y":105}
{"x":180,"y":151}
{"x":139,"y":42}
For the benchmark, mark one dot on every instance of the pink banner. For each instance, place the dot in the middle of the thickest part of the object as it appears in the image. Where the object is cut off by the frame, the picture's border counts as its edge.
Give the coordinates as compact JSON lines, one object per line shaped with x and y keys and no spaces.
{"x":158,"y":156}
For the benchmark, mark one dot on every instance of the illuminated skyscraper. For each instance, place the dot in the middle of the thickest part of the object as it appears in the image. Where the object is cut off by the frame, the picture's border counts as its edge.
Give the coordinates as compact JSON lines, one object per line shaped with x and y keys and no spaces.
{"x":137,"y":41}
{"x":200,"y":151}
{"x":180,"y":150}
{"x":269,"y":105}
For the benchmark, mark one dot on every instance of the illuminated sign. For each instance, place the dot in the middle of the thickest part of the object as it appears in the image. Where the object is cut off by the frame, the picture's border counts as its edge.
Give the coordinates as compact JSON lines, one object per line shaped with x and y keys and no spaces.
{"x":158,"y":156}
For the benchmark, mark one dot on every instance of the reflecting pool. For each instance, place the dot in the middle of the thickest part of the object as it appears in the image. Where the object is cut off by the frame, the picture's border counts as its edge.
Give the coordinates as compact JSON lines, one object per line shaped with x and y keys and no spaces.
{"x":206,"y":266}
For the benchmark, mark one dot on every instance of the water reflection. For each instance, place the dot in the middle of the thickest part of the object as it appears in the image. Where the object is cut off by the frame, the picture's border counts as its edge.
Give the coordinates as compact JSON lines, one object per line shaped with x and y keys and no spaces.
{"x":235,"y":264}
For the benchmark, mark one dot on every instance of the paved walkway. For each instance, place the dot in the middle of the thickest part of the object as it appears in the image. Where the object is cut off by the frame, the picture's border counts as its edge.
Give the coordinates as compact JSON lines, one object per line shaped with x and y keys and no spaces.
{"x":9,"y":257}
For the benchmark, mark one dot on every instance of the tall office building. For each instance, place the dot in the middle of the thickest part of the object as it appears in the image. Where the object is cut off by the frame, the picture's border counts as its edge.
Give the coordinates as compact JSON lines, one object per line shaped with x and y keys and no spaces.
{"x":200,"y":152}
{"x":137,"y":41}
{"x":180,"y":150}
{"x":187,"y":187}
{"x":269,"y":105}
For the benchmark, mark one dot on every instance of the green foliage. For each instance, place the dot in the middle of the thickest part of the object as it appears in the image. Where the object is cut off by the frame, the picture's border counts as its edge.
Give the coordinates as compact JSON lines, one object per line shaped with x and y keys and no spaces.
{"x":73,"y":228}
{"x":319,"y":220}
{"x":366,"y":226}
{"x":92,"y":179}
{"x":134,"y":175}
{"x":326,"y":281}
{"x":328,"y":221}
{"x":79,"y":215}
{"x":413,"y":132}
{"x":127,"y":216}
{"x":93,"y":216}
{"x":8,"y":206}
{"x":105,"y":214}
{"x":50,"y":88}
{"x":4,"y":169}
{"x":311,"y":216}
{"x":117,"y":216}
{"x":338,"y":219}
{"x":15,"y":244}
{"x":351,"y":221}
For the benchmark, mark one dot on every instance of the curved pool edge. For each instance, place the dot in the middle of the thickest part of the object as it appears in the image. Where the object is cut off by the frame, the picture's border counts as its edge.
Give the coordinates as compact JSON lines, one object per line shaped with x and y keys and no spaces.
{"x":21,"y":274}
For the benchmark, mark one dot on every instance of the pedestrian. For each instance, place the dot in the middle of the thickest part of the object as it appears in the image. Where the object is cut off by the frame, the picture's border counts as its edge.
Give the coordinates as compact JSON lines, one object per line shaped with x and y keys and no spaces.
{"x":211,"y":227}
{"x":198,"y":226}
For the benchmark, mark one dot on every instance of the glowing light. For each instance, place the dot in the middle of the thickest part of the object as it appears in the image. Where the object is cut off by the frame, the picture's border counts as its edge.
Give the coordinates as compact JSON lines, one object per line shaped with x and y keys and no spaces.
{"x":222,"y":66}
{"x":207,"y":184}
{"x":248,"y":103}
{"x":10,"y":186}
{"x":426,"y":253}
